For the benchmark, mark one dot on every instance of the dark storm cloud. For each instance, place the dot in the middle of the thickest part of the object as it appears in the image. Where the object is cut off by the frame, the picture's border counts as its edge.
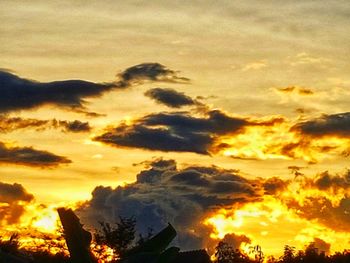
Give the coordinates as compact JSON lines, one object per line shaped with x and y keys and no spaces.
{"x":13,"y":198}
{"x":164,"y":193}
{"x":20,"y":94}
{"x":9,"y":124}
{"x":177,"y":131}
{"x":328,"y":125}
{"x":170,"y":97}
{"x":29,"y":156}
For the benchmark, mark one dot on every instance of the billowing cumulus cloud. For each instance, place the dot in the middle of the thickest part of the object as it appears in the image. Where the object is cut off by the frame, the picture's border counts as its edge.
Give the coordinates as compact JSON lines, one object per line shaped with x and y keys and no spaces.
{"x":13,"y":198}
{"x":164,"y":193}
{"x":20,"y":94}
{"x":179,"y":131}
{"x":170,"y":97}
{"x":29,"y":156}
{"x":187,"y":197}
{"x":328,"y":125}
{"x":9,"y":124}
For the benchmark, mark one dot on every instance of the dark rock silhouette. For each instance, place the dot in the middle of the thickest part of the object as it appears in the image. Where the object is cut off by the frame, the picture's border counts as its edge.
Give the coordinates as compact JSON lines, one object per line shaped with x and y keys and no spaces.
{"x":77,"y":238}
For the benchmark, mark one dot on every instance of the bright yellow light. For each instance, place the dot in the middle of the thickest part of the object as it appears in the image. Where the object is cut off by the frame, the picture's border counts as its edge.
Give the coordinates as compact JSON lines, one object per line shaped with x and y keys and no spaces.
{"x":271,"y":224}
{"x":48,"y":222}
{"x":280,"y":142}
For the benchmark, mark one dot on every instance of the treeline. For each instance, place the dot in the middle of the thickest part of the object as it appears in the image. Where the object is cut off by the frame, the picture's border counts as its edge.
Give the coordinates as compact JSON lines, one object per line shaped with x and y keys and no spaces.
{"x":227,"y":254}
{"x":123,"y":239}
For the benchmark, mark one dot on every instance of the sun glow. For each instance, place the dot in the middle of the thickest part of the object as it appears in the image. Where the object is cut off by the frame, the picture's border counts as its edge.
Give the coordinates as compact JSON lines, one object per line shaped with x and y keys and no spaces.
{"x":41,"y":230}
{"x":281,"y":142}
{"x":265,"y":224}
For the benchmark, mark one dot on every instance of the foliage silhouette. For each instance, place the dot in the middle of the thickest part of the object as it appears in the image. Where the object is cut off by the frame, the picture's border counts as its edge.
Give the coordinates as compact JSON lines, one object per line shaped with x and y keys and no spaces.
{"x":119,"y":237}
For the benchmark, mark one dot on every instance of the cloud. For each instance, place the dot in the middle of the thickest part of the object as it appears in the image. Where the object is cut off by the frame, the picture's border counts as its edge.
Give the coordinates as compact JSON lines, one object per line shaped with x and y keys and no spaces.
{"x":296,"y":90}
{"x":13,"y":198}
{"x":170,"y":97}
{"x":274,"y":185}
{"x":305,"y":59}
{"x":10,"y":193}
{"x":327,"y":125}
{"x":9,"y":124}
{"x":235,"y":241}
{"x":74,"y":126}
{"x":179,"y":132}
{"x":164,"y":193}
{"x":324,"y":198}
{"x":149,"y":71}
{"x":29,"y":157}
{"x":21,"y":94}
{"x":255,"y":65}
{"x":326,"y":181}
{"x":321,"y":245}
{"x":188,"y":196}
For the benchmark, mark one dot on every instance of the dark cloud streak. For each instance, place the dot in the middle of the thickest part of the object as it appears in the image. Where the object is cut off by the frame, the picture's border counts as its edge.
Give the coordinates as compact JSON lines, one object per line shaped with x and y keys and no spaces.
{"x":10,"y":124}
{"x":327,"y":125}
{"x":170,"y":97}
{"x":22,"y":94}
{"x":30,"y":157}
{"x":179,"y":132}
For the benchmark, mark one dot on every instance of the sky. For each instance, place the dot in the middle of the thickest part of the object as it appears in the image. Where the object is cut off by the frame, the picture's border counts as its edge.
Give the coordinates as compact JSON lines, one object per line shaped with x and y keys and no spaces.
{"x":228,"y":119}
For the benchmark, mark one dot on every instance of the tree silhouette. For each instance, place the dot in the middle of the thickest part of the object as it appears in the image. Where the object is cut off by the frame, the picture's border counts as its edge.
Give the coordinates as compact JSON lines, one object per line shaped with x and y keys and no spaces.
{"x":227,"y":254}
{"x":119,"y":237}
{"x":288,"y":254}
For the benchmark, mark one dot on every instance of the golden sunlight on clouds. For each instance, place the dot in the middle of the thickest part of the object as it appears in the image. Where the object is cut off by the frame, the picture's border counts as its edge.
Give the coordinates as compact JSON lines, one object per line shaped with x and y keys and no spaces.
{"x":271,"y":224}
{"x":282,"y":142}
{"x":197,"y":113}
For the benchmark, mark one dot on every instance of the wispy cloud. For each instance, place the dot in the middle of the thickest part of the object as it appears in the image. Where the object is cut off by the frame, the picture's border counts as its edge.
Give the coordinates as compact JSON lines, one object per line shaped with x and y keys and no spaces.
{"x":30,"y":157}
{"x":9,"y":124}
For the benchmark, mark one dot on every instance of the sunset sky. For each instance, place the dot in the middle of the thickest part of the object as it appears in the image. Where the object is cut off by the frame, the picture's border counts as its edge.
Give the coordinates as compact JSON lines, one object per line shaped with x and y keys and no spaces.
{"x":220,"y":117}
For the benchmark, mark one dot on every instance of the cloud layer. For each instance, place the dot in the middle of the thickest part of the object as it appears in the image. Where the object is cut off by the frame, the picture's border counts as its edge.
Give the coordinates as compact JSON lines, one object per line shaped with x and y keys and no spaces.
{"x":328,"y":125}
{"x":9,"y":124}
{"x":29,"y":157}
{"x":170,"y":97}
{"x":21,"y":94}
{"x":179,"y":131}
